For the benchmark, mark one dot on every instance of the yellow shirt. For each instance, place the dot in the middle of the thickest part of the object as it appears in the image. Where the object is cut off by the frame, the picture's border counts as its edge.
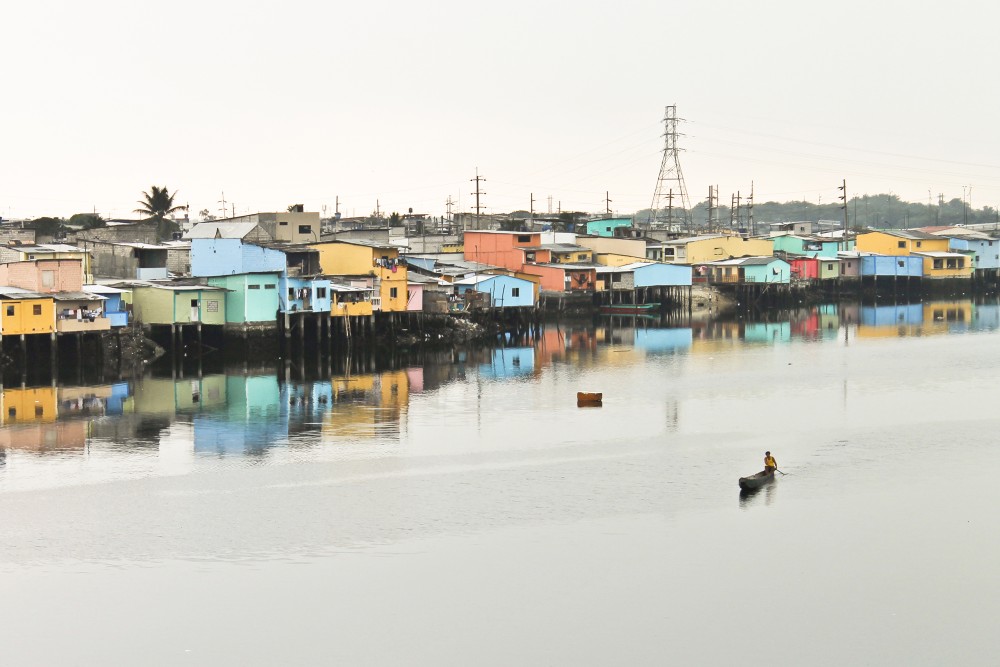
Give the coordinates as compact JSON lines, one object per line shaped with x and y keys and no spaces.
{"x":769,"y":461}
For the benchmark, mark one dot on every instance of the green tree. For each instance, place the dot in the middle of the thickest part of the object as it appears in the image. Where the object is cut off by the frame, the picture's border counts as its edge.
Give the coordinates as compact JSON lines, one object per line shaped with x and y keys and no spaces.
{"x":46,"y":226}
{"x":86,"y":220}
{"x":156,"y":205}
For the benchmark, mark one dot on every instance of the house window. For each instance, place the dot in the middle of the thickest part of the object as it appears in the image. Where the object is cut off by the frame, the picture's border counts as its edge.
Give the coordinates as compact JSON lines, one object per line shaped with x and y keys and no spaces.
{"x":901,"y":263}
{"x":48,"y":278}
{"x":253,"y":286}
{"x":270,"y":287}
{"x":305,"y":229}
{"x":524,"y":239}
{"x":616,"y":277}
{"x":581,"y":258}
{"x":11,"y":412}
{"x":901,"y":244}
{"x":829,"y":267}
{"x":320,"y":292}
{"x":918,"y":243}
{"x":515,"y":291}
{"x":10,"y":310}
{"x":291,"y":293}
{"x":36,"y":309}
{"x":393,"y":291}
{"x":39,"y":411}
{"x":529,"y":257}
{"x":937,"y":264}
{"x":669,"y":252}
{"x":283,"y":223}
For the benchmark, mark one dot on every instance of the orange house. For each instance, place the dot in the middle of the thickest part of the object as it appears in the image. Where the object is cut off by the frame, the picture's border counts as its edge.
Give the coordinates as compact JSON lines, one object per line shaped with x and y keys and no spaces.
{"x":563,"y":277}
{"x":500,"y":248}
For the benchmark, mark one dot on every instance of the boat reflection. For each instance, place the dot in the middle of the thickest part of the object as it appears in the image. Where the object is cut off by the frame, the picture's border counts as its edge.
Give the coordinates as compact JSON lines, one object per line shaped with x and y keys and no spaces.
{"x":765,"y":494}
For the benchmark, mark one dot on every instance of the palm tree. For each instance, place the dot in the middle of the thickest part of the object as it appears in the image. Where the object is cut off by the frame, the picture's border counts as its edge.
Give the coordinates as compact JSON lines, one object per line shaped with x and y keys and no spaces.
{"x":156,"y":205}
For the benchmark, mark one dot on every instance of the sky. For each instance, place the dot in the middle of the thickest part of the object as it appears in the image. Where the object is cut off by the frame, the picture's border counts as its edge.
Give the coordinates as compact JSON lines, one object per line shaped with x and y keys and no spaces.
{"x":396,"y":105}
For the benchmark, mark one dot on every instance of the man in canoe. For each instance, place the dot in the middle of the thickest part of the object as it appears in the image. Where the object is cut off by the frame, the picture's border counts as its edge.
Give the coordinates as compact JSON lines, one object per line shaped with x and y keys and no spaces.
{"x":770,"y":465}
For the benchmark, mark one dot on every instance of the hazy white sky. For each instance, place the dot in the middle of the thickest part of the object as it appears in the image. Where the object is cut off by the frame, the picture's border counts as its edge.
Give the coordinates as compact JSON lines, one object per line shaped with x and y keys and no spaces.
{"x":400,"y":102}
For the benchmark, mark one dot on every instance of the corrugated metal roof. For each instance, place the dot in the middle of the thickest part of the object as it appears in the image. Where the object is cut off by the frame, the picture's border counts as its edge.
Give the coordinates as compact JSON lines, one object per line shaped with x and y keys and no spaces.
{"x":77,"y":296}
{"x":225,"y":230}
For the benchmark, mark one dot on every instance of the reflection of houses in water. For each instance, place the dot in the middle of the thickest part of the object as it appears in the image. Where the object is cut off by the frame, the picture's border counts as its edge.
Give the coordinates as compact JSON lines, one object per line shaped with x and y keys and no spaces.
{"x":173,"y":395}
{"x":367,"y":406}
{"x":915,"y":319}
{"x":663,"y":341}
{"x":508,"y":362}
{"x":30,"y":420}
{"x":97,"y":401}
{"x":986,"y":317}
{"x":252,"y":419}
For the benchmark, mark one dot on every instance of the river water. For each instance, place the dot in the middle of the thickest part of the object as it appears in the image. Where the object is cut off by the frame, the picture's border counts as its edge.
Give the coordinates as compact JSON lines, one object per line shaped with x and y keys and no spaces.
{"x":461,"y":509}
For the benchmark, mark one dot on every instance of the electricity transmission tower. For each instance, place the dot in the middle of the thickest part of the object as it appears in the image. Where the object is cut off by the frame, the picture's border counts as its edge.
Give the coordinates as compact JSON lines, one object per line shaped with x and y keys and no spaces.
{"x":671,"y":179}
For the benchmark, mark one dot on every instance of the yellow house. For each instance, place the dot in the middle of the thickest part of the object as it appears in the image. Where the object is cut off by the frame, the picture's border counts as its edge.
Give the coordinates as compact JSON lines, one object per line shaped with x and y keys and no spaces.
{"x":347,"y":301}
{"x":938,"y":259}
{"x":378,"y":262}
{"x":603,"y":246}
{"x":23,"y":312}
{"x":714,"y":247}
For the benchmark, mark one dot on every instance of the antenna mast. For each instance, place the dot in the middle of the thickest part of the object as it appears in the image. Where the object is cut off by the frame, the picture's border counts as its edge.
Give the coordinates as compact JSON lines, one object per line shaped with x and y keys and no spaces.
{"x":670,"y":177}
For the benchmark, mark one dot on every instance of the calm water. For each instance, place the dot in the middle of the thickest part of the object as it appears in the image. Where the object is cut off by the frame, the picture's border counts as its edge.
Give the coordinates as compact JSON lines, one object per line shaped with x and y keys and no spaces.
{"x":462,"y":510}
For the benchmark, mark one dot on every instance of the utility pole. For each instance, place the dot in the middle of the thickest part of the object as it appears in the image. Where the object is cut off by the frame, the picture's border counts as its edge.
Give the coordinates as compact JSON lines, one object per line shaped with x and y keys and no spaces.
{"x":711,"y":206}
{"x":751,"y":228}
{"x":843,"y":207}
{"x":478,"y":193}
{"x":223,"y":202}
{"x":734,"y":212}
{"x":531,"y":210}
{"x":670,"y":210}
{"x":550,"y":205}
{"x":447,"y":205}
{"x":607,"y":202}
{"x":336,"y":206}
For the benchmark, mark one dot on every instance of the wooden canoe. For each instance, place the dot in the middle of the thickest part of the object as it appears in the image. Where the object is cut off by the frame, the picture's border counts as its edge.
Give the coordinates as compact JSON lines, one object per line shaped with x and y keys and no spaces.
{"x":756,"y":481}
{"x":589,"y":398}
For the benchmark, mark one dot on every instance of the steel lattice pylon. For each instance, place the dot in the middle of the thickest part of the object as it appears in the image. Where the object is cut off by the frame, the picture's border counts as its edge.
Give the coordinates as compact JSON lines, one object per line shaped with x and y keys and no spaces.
{"x":670,"y":184}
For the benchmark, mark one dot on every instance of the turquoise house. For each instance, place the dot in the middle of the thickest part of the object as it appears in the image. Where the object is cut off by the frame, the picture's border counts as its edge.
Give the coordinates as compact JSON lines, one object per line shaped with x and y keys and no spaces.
{"x":504,"y":291}
{"x":807,"y":246}
{"x":252,"y":297}
{"x":607,"y":227}
{"x":749,"y":270}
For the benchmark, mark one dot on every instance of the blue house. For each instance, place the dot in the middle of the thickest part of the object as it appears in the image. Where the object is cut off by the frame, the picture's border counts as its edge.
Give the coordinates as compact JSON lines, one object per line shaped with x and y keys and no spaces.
{"x":985,"y":253}
{"x":881,"y":266}
{"x":297,"y":285}
{"x":504,"y":291}
{"x":115,"y":308}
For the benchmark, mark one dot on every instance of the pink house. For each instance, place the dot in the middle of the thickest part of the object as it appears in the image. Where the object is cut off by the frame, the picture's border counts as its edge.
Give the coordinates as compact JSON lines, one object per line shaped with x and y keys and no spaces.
{"x":414,"y":296}
{"x":44,"y":275}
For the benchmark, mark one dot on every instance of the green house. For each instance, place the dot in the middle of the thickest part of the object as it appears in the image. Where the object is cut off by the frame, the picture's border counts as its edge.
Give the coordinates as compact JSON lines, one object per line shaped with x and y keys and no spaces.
{"x":250,"y":297}
{"x":170,"y":303}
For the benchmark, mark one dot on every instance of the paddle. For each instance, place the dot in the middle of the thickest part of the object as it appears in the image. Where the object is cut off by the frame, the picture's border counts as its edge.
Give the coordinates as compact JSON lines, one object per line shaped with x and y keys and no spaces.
{"x":776,"y":470}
